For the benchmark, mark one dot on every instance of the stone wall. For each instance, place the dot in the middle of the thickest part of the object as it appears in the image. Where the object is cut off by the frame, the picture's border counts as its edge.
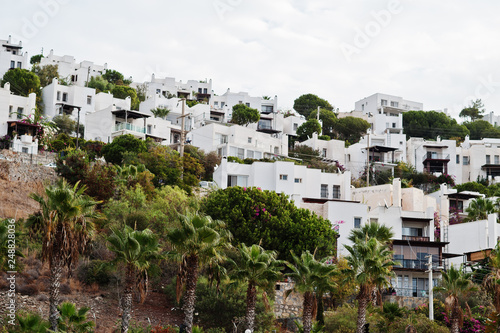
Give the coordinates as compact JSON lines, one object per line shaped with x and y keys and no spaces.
{"x":407,"y":302}
{"x":287,"y":307}
{"x":41,"y":158}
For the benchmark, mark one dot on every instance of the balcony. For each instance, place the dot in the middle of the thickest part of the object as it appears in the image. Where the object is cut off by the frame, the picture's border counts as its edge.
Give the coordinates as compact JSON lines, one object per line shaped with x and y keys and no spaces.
{"x":435,"y":156}
{"x":129,"y":127}
{"x":408,"y":292}
{"x":416,"y":238}
{"x":414,"y":263}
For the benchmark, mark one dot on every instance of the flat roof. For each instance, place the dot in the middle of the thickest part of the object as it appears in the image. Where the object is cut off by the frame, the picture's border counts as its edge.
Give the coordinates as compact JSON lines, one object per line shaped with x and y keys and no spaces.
{"x":381,"y":149}
{"x":130,"y":114}
{"x":321,"y":200}
{"x":464,"y":195}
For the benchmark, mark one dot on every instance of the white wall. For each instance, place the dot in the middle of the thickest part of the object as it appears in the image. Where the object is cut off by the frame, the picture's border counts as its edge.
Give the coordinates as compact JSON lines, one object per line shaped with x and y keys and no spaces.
{"x":12,"y":52}
{"x":8,"y":102}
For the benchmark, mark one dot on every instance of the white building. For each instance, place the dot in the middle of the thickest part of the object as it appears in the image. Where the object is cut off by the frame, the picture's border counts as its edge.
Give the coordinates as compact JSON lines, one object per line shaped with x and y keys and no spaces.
{"x":297,"y":181}
{"x":492,"y":118}
{"x":386,"y":112}
{"x":168,"y":87}
{"x":12,"y":110}
{"x":238,"y":141}
{"x":436,"y":157}
{"x":479,"y":159}
{"x":12,"y":56}
{"x":59,"y":99}
{"x":72,"y":72}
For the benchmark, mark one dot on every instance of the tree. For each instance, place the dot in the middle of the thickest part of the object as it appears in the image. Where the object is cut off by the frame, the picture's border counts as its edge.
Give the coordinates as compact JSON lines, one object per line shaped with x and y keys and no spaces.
{"x":136,"y":249}
{"x":67,"y":215}
{"x":64,"y":124}
{"x":46,"y":73}
{"x":160,"y":112}
{"x":73,"y":319}
{"x":22,"y":81}
{"x":100,"y":84}
{"x":430,"y":124}
{"x":270,"y":219}
{"x":308,"y":103}
{"x":328,"y":120}
{"x":7,"y":251}
{"x":124,"y":92}
{"x":309,"y":275}
{"x":370,"y":263}
{"x":165,"y":163}
{"x":350,"y":129}
{"x":244,"y":115}
{"x":455,"y":283}
{"x":36,"y":59}
{"x":198,"y":240}
{"x":479,"y":209}
{"x":306,"y":130}
{"x":113,"y":77}
{"x":258,"y":268}
{"x":480,"y":129}
{"x":491,"y":282}
{"x":113,"y":152}
{"x":474,"y":111}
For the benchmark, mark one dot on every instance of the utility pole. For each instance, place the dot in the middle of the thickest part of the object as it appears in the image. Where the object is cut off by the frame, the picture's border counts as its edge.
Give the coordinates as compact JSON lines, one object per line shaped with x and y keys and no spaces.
{"x":317,"y":118}
{"x":368,"y":160}
{"x":431,"y":295}
{"x":182,"y":129}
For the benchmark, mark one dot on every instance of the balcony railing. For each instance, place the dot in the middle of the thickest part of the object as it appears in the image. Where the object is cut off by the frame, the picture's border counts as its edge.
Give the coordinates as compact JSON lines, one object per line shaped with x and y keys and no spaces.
{"x":414,"y":263}
{"x":435,"y":156}
{"x":129,"y":127}
{"x":408,"y":292}
{"x":416,"y":238}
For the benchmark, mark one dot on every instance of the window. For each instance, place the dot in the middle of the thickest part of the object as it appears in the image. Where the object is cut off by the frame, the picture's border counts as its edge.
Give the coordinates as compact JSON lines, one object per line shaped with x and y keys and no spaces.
{"x":466,"y":160}
{"x":295,"y":126}
{"x":393,"y":125}
{"x":237,"y":180}
{"x":488,"y":160}
{"x":149,"y":129}
{"x":19,"y":64}
{"x":222,"y":104}
{"x":58,"y":95}
{"x":497,"y":160}
{"x":323,"y":154}
{"x":458,"y":159}
{"x":283,"y":177}
{"x":221,"y":138}
{"x":324,"y":191}
{"x":383,"y":102}
{"x":247,"y":104}
{"x":65,"y":97}
{"x":357,"y":222}
{"x":158,"y":91}
{"x":394,"y":104}
{"x":24,"y":150}
{"x":12,"y":64}
{"x":216,"y":104}
{"x":241,"y":153}
{"x":249,"y":139}
{"x":199,"y":90}
{"x":267,"y":108}
{"x":205,"y":90}
{"x":74,"y":78}
{"x":20,"y":113}
{"x":362,"y":107}
{"x":222,"y":151}
{"x":298,"y":180}
{"x":349,"y":157}
{"x":336,"y":191}
{"x":373,"y":220}
{"x":89,"y":100}
{"x":276,"y":150}
{"x":10,"y":111}
{"x":250,"y":154}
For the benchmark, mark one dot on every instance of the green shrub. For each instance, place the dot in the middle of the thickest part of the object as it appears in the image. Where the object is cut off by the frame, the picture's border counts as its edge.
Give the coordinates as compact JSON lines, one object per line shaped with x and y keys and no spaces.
{"x":235,"y":159}
{"x":96,"y":271}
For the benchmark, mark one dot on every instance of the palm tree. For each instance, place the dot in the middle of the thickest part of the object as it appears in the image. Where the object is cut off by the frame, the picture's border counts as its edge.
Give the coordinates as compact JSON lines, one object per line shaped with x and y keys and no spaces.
{"x":309,"y":275}
{"x":370,"y":264}
{"x":258,"y":268}
{"x":67,"y":215}
{"x":7,"y":237}
{"x":198,"y":240}
{"x":479,"y":209}
{"x":454,"y":284}
{"x":492,"y":281}
{"x":135,"y":249}
{"x":372,"y":230}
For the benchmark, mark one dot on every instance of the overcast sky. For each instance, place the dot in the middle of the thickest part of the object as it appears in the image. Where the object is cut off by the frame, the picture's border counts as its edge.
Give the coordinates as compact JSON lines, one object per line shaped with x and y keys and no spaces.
{"x":441,"y":53}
